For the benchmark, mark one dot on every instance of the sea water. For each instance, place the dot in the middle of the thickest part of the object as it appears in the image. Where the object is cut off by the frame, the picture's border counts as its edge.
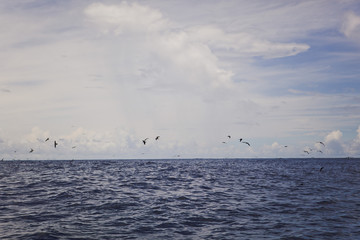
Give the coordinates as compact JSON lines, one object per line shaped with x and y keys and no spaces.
{"x":180,"y":199}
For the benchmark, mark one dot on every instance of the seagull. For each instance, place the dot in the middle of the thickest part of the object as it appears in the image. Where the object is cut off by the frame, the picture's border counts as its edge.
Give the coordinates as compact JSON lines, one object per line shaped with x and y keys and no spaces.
{"x":321,"y":169}
{"x":47,"y":139}
{"x":31,"y":150}
{"x":306,"y":152}
{"x":240,"y":139}
{"x":74,"y":147}
{"x":144,"y":141}
{"x":246,"y":143}
{"x":157,"y":138}
{"x":285,"y":146}
{"x":229,"y":136}
{"x":322,"y":143}
{"x":55,"y":144}
{"x":320,"y":151}
{"x":224,"y":142}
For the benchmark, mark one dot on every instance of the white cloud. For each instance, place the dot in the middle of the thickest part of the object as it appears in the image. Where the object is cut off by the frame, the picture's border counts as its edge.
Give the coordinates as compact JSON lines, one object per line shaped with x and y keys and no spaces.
{"x":175,"y":57}
{"x":333,"y":136}
{"x":245,"y":44}
{"x":334,"y":143}
{"x":357,"y":139}
{"x":354,"y":146}
{"x":124,"y":17}
{"x":186,"y":56}
{"x":351,"y":26}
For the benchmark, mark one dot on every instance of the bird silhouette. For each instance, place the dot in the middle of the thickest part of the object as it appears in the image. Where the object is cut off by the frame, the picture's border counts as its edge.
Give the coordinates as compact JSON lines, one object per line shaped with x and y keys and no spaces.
{"x":144,"y":141}
{"x":47,"y":139}
{"x":55,"y":144}
{"x":306,"y":152}
{"x":322,"y":143}
{"x":229,"y":136}
{"x":31,"y":150}
{"x":240,"y":139}
{"x":157,"y":137}
{"x":246,"y":143}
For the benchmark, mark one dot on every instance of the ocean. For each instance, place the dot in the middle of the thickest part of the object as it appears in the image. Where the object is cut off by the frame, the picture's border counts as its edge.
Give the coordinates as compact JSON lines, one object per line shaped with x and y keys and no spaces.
{"x":180,"y":199}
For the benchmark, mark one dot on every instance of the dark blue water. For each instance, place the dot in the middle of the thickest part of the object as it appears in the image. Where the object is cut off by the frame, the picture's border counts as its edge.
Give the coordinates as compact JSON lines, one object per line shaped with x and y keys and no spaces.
{"x":180,"y":199}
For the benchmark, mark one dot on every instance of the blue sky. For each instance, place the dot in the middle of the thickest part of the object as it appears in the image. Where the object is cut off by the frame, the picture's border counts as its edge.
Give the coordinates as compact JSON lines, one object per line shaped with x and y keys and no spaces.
{"x":103,"y":75}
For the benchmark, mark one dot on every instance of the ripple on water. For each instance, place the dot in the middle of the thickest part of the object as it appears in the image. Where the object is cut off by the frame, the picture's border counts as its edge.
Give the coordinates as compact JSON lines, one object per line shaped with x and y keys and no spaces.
{"x":180,"y":199}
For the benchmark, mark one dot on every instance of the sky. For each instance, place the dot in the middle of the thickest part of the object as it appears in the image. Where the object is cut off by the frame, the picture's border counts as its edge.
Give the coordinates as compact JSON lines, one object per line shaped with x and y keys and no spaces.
{"x":98,"y":77}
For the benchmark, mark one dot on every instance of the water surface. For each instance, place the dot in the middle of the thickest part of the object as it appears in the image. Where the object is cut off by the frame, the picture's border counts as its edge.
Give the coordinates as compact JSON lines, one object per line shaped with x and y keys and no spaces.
{"x":180,"y":199}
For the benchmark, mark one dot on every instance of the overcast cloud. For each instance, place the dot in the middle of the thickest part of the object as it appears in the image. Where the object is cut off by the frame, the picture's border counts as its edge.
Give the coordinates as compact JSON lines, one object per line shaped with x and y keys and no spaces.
{"x":101,"y":76}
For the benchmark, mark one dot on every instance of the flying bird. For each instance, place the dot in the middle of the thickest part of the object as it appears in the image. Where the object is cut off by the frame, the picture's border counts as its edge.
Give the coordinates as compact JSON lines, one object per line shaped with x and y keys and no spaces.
{"x":157,"y":138}
{"x":322,"y":143}
{"x":47,"y":139}
{"x":144,"y":141}
{"x":31,"y":150}
{"x":73,"y":147}
{"x":321,"y":169}
{"x":246,"y":143}
{"x":320,"y":151}
{"x":306,"y":152}
{"x":55,"y":144}
{"x":229,"y":136}
{"x":240,"y":139}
